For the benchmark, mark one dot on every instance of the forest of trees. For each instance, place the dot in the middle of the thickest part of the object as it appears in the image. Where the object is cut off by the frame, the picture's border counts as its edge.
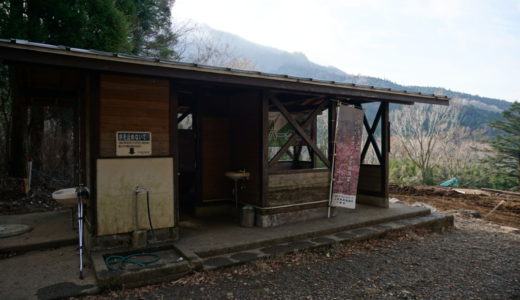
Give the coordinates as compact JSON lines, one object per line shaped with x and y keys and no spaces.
{"x":430,"y":146}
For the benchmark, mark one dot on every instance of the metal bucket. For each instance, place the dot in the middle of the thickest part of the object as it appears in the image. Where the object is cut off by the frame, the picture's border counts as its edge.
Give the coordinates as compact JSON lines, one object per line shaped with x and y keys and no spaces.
{"x":247,"y":216}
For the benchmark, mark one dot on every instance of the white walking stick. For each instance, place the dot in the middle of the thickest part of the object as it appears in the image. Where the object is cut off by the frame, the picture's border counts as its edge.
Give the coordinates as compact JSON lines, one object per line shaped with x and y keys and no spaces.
{"x":81,"y":192}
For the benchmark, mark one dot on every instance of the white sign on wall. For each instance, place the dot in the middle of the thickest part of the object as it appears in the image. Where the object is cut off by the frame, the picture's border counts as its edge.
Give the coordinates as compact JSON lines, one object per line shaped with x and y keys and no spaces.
{"x":133,"y":143}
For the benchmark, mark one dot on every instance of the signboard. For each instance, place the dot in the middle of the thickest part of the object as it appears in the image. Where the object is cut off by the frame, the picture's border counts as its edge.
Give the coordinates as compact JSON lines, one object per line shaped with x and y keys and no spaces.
{"x":133,"y":143}
{"x":347,"y":156}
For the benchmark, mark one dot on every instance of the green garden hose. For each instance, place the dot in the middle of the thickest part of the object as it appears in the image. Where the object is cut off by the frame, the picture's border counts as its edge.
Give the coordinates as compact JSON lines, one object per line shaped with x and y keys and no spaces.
{"x":121,"y":261}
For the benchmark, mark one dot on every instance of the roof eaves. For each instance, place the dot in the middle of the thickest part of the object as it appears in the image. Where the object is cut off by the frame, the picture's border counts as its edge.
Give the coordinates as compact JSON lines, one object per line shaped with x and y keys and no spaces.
{"x":231,"y":71}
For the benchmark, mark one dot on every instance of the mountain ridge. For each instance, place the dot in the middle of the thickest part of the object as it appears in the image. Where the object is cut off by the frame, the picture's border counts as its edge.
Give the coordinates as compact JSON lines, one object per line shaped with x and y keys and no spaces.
{"x":477,"y":110}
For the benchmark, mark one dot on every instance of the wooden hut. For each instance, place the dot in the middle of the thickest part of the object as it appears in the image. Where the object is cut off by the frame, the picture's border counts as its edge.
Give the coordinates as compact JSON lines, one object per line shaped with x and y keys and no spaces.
{"x":175,"y":129}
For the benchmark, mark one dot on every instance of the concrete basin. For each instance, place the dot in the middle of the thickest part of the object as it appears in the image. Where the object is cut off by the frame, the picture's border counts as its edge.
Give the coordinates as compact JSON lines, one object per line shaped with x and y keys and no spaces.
{"x":66,"y":197}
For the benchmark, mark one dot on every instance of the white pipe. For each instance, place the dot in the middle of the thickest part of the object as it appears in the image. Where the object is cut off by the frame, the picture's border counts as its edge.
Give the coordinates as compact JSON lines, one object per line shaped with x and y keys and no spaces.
{"x":333,"y":158}
{"x":284,"y":206}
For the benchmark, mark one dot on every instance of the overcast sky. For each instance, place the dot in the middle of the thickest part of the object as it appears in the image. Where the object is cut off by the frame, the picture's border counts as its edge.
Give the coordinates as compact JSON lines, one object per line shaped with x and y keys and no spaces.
{"x":471,"y":46}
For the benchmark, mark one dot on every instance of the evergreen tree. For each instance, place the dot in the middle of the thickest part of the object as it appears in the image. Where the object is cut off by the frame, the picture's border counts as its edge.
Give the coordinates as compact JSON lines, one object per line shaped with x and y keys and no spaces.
{"x":141,"y":27}
{"x":507,"y":144}
{"x":150,"y":27}
{"x":93,"y":24}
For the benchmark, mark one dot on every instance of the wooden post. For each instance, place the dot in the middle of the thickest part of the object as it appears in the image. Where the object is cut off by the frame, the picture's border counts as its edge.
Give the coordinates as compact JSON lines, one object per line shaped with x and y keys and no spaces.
{"x":37,"y":119}
{"x":264,"y":143}
{"x":94,"y":102}
{"x":333,"y":105}
{"x":385,"y":149}
{"x":174,"y":150}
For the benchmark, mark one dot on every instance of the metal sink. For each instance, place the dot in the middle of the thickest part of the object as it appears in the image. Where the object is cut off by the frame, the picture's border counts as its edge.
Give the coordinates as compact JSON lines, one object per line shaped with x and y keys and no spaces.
{"x":237,"y":175}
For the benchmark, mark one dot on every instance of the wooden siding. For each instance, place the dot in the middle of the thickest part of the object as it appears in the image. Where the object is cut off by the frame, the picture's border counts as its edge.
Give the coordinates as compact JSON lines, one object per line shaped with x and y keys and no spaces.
{"x":370,"y":179}
{"x":298,"y":187}
{"x":134,"y":104}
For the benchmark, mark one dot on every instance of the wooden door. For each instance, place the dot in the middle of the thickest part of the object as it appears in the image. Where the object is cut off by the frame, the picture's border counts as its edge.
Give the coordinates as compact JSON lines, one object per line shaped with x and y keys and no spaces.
{"x":216,"y":159}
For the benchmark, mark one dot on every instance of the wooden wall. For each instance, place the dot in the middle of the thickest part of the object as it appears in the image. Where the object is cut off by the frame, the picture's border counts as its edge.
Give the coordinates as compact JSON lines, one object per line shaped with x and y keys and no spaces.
{"x":134,"y":104}
{"x":39,"y":77}
{"x":298,"y":187}
{"x":370,"y":179}
{"x":215,"y":143}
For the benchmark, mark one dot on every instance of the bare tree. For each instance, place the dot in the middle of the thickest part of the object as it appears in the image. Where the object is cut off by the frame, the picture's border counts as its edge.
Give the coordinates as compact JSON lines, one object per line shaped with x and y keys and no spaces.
{"x":423,"y":131}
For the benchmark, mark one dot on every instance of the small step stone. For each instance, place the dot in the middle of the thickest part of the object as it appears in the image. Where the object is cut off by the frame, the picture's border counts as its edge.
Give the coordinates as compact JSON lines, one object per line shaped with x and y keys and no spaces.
{"x":323,"y":241}
{"x":218,"y":262}
{"x":8,"y":230}
{"x":244,"y":256}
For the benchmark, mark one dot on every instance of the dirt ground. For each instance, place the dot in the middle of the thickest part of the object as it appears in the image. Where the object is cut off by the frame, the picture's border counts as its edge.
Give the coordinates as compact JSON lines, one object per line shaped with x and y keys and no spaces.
{"x":477,"y":260}
{"x":447,"y":200}
{"x":13,"y":201}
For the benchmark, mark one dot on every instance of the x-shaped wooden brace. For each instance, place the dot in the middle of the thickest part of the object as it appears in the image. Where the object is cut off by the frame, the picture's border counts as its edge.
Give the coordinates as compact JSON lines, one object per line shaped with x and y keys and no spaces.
{"x":299,"y":130}
{"x":184,"y":115}
{"x":371,"y":139}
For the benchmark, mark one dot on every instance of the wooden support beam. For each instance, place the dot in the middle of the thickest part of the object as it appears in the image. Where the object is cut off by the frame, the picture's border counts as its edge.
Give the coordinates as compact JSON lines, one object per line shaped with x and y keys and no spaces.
{"x":49,"y":93}
{"x":174,"y":147}
{"x":293,"y":137}
{"x":370,"y":138}
{"x":385,"y":147}
{"x":300,"y":130}
{"x":264,"y":142}
{"x":183,"y":116}
{"x":333,"y":111}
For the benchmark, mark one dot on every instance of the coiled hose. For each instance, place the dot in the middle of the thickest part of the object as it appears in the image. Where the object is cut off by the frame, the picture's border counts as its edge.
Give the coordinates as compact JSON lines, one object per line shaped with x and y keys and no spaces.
{"x":122,"y":261}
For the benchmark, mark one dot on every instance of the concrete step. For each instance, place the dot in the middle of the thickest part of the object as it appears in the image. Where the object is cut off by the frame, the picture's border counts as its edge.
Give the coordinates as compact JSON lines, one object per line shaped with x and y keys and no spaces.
{"x":176,"y":262}
{"x":171,"y":265}
{"x":220,"y":239}
{"x":437,"y":222}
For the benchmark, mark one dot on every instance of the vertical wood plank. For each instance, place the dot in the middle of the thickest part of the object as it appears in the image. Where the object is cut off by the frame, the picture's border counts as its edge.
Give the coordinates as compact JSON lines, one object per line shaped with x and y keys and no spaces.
{"x":332,"y":126}
{"x":94,"y":145}
{"x":385,"y":145}
{"x":174,"y":149}
{"x":197,"y":129}
{"x":264,"y":143}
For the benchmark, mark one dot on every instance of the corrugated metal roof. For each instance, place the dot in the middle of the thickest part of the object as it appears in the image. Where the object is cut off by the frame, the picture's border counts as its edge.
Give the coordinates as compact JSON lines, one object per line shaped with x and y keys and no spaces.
{"x":103,"y":55}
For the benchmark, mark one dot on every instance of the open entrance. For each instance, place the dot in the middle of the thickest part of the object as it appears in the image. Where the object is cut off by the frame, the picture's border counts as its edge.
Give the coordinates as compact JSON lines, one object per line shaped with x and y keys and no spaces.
{"x":187,"y":156}
{"x":219,"y":133}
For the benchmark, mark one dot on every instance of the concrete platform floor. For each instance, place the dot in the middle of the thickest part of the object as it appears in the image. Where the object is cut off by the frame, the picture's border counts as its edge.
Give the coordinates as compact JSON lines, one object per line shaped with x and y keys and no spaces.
{"x":50,"y":229}
{"x":210,"y":237}
{"x":47,"y":274}
{"x":206,"y":244}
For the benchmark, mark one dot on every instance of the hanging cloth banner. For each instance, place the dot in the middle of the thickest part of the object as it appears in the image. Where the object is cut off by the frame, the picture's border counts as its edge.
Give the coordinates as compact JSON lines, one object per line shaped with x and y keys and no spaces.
{"x":347,"y":157}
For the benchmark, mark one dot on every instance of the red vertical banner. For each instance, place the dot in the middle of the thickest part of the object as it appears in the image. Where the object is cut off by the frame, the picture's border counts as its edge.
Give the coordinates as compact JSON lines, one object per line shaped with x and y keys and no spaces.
{"x":347,"y":156}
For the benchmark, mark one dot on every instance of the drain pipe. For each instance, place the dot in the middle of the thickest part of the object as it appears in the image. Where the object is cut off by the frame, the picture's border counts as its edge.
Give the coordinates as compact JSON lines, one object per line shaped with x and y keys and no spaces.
{"x":138,"y":189}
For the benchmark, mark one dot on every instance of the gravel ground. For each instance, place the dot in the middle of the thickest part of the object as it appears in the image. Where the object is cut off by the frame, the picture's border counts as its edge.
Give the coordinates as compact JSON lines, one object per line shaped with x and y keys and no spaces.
{"x":474,"y":261}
